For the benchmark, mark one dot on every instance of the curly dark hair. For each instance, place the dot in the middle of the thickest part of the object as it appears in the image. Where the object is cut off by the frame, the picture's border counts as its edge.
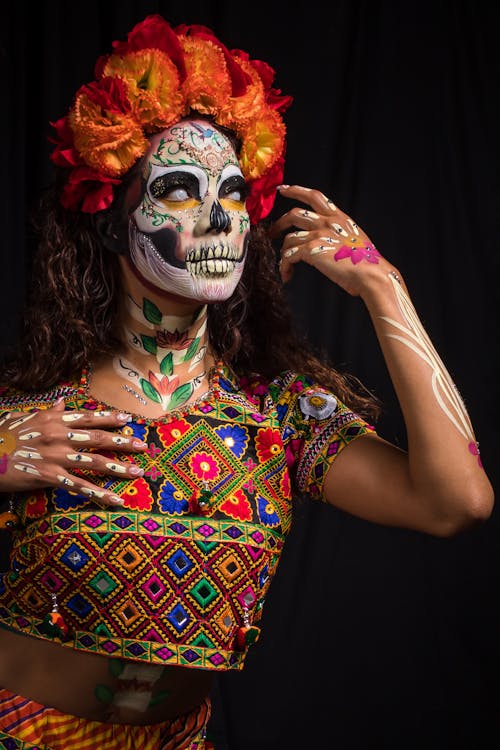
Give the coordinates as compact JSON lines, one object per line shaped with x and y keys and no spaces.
{"x":72,"y":315}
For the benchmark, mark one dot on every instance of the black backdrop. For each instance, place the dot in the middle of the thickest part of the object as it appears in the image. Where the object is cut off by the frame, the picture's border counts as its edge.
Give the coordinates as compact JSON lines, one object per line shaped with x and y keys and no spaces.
{"x":373,"y":637}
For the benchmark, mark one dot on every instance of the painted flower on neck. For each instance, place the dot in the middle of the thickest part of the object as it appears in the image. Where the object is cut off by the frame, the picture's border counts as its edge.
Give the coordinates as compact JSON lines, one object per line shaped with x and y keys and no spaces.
{"x":173,"y":339}
{"x":166,"y":391}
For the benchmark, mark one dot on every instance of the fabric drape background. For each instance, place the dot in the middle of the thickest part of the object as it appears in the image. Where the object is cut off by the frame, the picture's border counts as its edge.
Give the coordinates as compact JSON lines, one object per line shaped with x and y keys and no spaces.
{"x":372,"y":637}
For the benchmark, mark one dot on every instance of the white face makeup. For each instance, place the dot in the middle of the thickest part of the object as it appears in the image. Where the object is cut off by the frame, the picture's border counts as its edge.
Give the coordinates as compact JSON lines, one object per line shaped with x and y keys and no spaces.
{"x":189,"y":231}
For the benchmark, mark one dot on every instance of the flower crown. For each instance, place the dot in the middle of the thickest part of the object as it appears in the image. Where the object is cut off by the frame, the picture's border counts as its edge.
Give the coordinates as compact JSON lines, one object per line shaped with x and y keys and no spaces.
{"x":157,"y":77}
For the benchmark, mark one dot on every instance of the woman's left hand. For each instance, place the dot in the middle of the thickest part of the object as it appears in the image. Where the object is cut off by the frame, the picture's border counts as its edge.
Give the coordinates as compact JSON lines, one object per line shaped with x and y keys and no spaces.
{"x":326,"y":238}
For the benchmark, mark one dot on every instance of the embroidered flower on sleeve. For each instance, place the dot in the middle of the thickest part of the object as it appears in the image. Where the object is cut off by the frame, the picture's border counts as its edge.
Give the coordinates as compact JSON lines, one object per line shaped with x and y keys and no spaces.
{"x":317,"y":403}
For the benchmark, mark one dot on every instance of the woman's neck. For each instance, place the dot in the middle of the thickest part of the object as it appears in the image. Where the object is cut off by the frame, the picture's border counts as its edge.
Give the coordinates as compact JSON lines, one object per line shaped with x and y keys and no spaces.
{"x":165,"y":357}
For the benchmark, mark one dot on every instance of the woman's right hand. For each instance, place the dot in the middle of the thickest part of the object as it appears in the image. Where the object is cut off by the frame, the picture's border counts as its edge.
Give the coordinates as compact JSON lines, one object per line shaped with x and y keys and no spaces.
{"x":40,"y":448}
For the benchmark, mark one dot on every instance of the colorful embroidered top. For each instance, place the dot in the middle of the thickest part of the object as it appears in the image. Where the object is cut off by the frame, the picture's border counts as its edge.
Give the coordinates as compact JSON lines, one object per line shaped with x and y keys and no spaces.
{"x":180,"y":573}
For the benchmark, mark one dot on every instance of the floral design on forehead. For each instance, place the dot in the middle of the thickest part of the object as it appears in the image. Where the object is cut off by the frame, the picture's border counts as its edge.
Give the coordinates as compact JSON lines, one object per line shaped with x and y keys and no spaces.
{"x":192,"y":141}
{"x":160,"y":75}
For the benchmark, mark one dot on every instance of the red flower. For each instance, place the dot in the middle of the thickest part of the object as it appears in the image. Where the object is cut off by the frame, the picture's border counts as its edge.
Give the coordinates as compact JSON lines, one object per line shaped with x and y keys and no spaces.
{"x":88,"y":190}
{"x":36,"y":505}
{"x":172,"y":431}
{"x":268,"y":443}
{"x":137,"y":495}
{"x":237,"y":506}
{"x":173,"y":339}
{"x":151,"y":33}
{"x":262,"y":192}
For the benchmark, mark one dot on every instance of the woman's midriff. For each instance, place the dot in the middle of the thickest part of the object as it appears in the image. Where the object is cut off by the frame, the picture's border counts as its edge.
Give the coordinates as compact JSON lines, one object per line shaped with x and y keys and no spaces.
{"x":96,"y":687}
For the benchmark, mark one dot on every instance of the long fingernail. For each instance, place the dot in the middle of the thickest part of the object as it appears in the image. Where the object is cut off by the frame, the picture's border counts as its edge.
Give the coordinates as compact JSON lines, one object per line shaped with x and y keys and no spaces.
{"x":139,"y":444}
{"x":116,"y":467}
{"x":115,"y":499}
{"x":123,"y":417}
{"x":92,"y":493}
{"x":81,"y":457}
{"x":136,"y":471}
{"x":119,"y":440}
{"x":81,"y":437}
{"x":27,"y":469}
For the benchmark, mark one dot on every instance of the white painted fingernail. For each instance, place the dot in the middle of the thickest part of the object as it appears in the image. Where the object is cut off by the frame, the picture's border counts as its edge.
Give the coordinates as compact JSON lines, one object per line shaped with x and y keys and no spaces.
{"x":22,"y":420}
{"x":27,"y":469}
{"x":27,"y":454}
{"x":80,"y":457}
{"x":116,"y":467}
{"x":291,"y":251}
{"x":71,"y":417}
{"x":81,"y":437}
{"x":119,"y":440}
{"x":65,"y":480}
{"x":92,"y":493}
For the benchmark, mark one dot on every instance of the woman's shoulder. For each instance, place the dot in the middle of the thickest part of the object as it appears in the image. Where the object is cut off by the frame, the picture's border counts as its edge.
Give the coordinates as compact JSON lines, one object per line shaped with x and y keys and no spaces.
{"x":12,"y":397}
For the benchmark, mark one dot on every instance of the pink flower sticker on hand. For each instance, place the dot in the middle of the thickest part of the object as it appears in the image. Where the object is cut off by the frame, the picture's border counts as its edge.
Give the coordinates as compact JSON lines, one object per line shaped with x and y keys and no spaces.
{"x":474,"y":449}
{"x":358,"y":252}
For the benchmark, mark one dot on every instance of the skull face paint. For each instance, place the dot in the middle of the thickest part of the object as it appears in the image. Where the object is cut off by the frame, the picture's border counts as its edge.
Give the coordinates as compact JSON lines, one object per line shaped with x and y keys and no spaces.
{"x":189,"y":230}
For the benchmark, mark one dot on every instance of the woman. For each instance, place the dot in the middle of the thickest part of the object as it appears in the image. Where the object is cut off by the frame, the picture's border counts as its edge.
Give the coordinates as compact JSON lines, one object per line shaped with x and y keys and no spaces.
{"x":161,"y":413}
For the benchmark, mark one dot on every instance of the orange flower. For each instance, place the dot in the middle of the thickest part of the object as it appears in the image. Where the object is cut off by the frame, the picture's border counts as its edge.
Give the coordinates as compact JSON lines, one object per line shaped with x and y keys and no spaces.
{"x":207,"y":85}
{"x":152,"y":80}
{"x":105,"y":132}
{"x":152,"y":86}
{"x":263,"y":143}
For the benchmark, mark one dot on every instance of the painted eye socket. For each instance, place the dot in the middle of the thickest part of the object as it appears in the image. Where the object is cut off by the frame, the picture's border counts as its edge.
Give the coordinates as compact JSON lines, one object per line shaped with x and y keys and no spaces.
{"x":234,"y":189}
{"x":176,"y":187}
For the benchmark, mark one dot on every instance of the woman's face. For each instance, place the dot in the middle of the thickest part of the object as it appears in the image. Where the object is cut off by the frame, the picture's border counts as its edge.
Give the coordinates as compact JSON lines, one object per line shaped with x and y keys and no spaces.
{"x":188,"y":226}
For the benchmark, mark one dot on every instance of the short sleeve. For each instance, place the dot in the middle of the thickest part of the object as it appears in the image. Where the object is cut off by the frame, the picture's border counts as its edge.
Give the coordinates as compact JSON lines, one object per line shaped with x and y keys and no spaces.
{"x":315,"y":427}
